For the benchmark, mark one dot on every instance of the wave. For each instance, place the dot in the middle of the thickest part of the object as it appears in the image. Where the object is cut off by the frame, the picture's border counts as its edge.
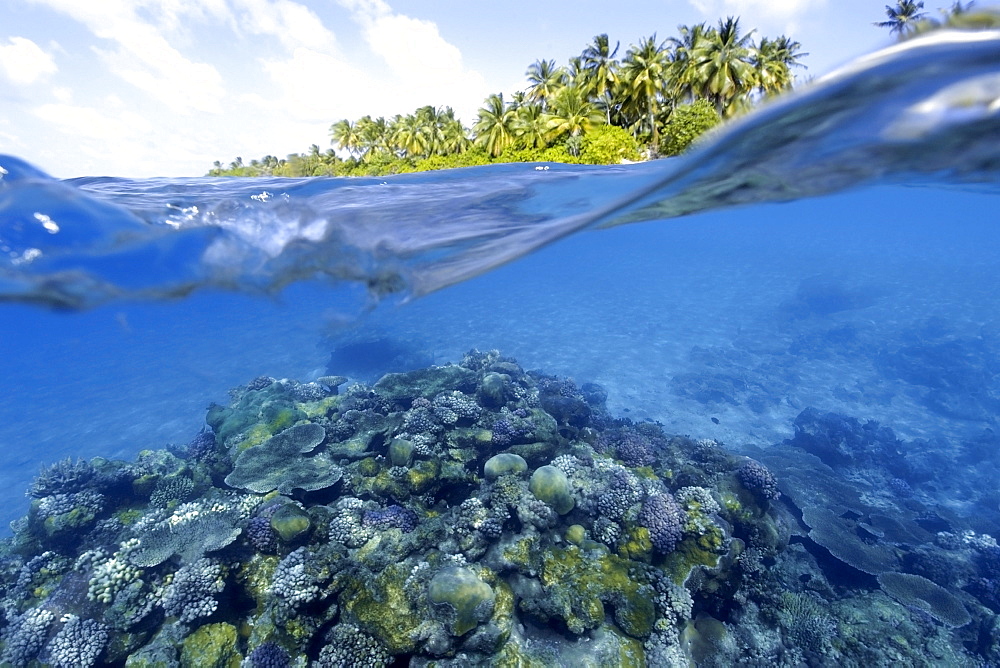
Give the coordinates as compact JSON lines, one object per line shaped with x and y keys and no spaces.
{"x":926,"y":111}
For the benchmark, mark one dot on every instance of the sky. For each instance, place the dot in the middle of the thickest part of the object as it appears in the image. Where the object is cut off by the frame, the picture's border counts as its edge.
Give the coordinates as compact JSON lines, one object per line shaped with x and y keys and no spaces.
{"x":142,"y":88}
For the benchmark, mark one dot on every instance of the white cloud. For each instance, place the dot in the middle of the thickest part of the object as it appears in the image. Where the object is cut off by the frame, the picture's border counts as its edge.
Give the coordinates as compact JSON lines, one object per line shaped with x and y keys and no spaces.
{"x":145,"y":57}
{"x":138,"y":146}
{"x":24,"y":62}
{"x":426,"y":68}
{"x":295,"y":25}
{"x":313,"y":86}
{"x":91,"y":123}
{"x":768,"y":15}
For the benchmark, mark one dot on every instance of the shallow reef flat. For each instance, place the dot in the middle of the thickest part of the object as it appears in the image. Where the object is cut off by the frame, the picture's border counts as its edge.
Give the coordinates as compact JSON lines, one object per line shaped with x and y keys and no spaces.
{"x":474,"y":514}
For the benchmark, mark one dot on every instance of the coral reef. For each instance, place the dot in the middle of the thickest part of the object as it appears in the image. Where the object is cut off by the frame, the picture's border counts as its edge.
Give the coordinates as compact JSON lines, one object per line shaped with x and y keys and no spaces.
{"x":480,"y":514}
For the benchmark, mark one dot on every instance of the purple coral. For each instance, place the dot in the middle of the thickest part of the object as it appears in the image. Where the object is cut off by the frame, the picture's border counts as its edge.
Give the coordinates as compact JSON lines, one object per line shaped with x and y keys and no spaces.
{"x":633,"y":449}
{"x":664,"y":519}
{"x":622,"y":492}
{"x":261,"y":535}
{"x":392,"y":516}
{"x":201,"y":445}
{"x":420,"y":420}
{"x":510,"y":428}
{"x":503,"y":433}
{"x":758,"y":479}
{"x":268,"y":655}
{"x":259,"y":383}
{"x":259,"y":531}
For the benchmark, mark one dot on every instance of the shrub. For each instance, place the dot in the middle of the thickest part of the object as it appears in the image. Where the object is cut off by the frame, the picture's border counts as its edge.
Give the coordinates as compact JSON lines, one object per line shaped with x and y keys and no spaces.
{"x":608,"y":145}
{"x":686,"y":124}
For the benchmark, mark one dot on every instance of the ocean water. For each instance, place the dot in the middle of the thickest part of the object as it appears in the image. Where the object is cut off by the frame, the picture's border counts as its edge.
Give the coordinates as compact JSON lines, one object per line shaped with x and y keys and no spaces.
{"x":837,"y":251}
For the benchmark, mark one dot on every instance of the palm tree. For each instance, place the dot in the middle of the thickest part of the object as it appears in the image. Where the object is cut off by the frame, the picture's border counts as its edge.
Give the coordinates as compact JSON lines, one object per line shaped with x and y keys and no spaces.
{"x":531,"y":125}
{"x":409,"y":135}
{"x":601,"y":69}
{"x":345,"y":135}
{"x":493,"y":129}
{"x":576,"y":74}
{"x":682,"y":75}
{"x":454,"y":136}
{"x":373,"y":137}
{"x":643,"y":81}
{"x":903,"y":18}
{"x":723,"y":65}
{"x":774,"y":60}
{"x":545,"y":79}
{"x":572,"y":113}
{"x":957,"y":8}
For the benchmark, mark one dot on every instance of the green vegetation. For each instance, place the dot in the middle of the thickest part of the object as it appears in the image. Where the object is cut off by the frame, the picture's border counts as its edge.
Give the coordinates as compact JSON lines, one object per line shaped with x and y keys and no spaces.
{"x":686,"y":124}
{"x":595,"y":110}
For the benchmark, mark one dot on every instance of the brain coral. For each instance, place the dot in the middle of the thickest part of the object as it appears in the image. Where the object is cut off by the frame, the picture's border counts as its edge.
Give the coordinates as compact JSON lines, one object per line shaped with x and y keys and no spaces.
{"x":550,"y":484}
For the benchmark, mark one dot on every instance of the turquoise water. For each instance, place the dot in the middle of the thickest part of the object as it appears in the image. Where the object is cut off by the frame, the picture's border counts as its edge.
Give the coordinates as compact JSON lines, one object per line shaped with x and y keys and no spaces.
{"x":837,"y":251}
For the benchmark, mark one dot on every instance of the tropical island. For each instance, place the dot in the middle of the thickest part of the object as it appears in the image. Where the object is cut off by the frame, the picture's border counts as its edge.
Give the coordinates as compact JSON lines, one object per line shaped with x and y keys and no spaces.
{"x":596,"y":109}
{"x":653,"y":102}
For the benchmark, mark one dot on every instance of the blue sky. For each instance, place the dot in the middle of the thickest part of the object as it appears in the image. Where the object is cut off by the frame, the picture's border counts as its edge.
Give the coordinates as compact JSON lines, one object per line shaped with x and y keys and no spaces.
{"x":165,"y":87}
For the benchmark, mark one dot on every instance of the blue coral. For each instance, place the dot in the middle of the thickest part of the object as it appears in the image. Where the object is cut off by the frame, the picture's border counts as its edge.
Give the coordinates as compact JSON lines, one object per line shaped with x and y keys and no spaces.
{"x":420,"y":420}
{"x":258,"y":383}
{"x":509,"y":428}
{"x":296,"y":580}
{"x":347,"y":645}
{"x":664,"y":519}
{"x":450,"y":407}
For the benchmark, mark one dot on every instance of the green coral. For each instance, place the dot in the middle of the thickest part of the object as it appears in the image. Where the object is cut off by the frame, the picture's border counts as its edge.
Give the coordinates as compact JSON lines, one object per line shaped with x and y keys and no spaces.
{"x":575,"y":534}
{"x":636,"y":544}
{"x":290,"y":522}
{"x":400,"y":452}
{"x":282,"y":463}
{"x":470,"y":599}
{"x":211,"y":646}
{"x":506,"y":463}
{"x":550,"y":484}
{"x":426,"y":383}
{"x":692,"y":553}
{"x":381,"y":606}
{"x":580,"y":583}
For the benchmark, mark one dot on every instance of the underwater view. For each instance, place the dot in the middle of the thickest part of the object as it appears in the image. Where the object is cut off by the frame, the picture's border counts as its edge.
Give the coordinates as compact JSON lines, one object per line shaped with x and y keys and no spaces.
{"x":737,"y":407}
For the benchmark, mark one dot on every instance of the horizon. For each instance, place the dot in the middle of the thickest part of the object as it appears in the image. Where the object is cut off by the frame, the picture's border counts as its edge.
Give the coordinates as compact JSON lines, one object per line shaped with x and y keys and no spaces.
{"x":165,"y":88}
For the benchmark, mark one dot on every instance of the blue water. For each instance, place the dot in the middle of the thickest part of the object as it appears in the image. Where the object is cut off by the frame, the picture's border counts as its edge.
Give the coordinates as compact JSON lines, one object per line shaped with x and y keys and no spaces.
{"x":818,"y":260}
